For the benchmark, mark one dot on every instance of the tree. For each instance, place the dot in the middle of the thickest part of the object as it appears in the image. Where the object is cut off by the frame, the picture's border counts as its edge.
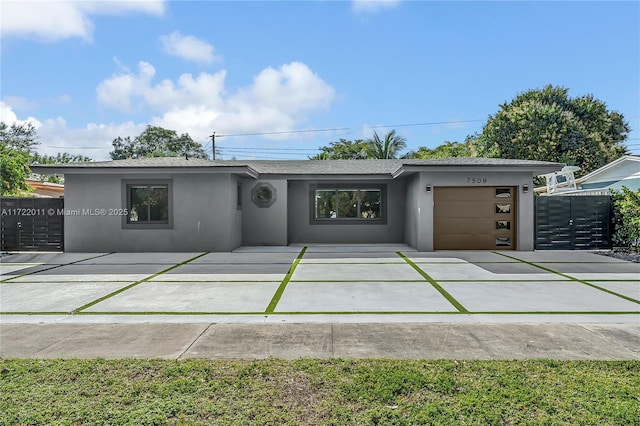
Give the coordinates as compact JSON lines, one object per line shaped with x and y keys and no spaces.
{"x":59,"y":158}
{"x":446,"y":150}
{"x":156,"y":142}
{"x":548,"y":125}
{"x":390,"y":147}
{"x":343,"y":150}
{"x":16,"y":143}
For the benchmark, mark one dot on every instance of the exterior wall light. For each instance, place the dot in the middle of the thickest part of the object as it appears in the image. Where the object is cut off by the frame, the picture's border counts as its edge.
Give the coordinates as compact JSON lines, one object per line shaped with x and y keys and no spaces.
{"x":525,"y":188}
{"x":428,"y":188}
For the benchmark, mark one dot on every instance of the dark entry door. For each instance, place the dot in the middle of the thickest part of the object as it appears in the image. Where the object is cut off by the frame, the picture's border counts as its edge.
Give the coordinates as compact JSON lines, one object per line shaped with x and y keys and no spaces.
{"x":573,"y":222}
{"x":32,"y":224}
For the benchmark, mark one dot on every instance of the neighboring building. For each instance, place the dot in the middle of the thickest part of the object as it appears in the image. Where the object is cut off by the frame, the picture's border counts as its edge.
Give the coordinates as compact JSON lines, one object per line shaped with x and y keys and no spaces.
{"x":175,"y":204}
{"x":46,"y":189}
{"x":625,"y":171}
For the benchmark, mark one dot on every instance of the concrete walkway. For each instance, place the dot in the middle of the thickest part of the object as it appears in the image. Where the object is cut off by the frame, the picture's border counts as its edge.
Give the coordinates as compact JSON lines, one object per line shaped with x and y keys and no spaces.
{"x":320,"y":301}
{"x":289,"y":341}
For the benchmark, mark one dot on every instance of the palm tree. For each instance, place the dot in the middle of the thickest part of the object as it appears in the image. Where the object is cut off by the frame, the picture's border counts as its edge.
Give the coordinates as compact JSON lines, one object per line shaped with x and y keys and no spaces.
{"x":390,"y":147}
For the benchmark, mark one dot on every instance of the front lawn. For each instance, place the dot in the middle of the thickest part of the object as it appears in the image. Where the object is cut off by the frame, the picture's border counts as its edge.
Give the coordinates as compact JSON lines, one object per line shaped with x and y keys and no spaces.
{"x":311,"y":391}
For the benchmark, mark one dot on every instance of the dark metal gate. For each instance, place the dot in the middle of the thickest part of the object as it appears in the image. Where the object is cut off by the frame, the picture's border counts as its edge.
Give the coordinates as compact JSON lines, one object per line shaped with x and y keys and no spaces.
{"x":32,"y":224}
{"x":573,"y":222}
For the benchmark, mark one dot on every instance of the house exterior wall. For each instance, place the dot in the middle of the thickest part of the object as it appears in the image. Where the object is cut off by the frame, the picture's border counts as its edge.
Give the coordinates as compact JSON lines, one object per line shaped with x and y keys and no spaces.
{"x":412,"y":212}
{"x":421,"y":203}
{"x":264,"y":225}
{"x":204,"y":216}
{"x":301,"y":230}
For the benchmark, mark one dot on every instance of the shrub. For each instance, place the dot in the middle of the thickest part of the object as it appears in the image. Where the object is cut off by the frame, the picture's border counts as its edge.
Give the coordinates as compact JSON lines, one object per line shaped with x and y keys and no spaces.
{"x":626,"y":216}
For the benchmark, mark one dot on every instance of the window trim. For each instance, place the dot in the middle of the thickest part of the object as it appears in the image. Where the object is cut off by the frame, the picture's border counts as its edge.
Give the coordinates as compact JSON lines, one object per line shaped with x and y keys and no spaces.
{"x":348,"y":186}
{"x":126,"y":203}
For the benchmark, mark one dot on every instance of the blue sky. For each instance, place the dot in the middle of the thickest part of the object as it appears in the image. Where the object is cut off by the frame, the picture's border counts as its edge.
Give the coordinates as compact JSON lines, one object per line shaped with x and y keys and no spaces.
{"x":87,"y":72}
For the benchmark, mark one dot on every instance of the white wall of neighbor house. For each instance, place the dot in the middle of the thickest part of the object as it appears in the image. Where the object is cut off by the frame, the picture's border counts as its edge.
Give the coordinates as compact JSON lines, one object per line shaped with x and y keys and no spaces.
{"x":421,"y":202}
{"x":203,"y":212}
{"x":302,"y":230}
{"x":264,"y":226}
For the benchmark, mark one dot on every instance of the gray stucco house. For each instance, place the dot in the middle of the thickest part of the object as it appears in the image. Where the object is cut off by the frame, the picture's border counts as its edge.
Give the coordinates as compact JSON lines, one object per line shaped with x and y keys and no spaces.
{"x":178,"y":204}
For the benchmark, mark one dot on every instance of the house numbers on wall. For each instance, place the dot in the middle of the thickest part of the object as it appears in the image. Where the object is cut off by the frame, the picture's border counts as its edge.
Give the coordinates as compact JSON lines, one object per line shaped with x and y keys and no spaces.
{"x":476,"y":180}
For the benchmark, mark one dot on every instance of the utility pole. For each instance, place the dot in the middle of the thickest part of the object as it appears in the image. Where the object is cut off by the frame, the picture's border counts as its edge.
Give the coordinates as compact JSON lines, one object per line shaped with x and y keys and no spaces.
{"x":213,"y":145}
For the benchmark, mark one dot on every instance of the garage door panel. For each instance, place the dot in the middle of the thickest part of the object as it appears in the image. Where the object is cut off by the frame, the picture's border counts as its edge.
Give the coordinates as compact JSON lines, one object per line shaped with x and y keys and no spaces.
{"x":469,"y":194}
{"x":463,"y":226}
{"x":474,"y":218}
{"x":464,"y":209}
{"x":462,"y":241}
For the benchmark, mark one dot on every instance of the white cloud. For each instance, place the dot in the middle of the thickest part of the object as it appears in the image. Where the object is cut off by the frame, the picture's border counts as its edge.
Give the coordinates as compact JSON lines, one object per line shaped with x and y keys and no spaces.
{"x":9,"y":117}
{"x":93,"y":140}
{"x":277,"y":100}
{"x":188,"y":47}
{"x":372,"y":6}
{"x":56,"y":20}
{"x":19,"y":102}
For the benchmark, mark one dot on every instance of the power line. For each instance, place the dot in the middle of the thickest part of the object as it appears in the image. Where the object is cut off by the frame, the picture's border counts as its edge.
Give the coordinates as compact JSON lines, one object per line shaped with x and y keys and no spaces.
{"x":349,"y":128}
{"x":269,"y":149}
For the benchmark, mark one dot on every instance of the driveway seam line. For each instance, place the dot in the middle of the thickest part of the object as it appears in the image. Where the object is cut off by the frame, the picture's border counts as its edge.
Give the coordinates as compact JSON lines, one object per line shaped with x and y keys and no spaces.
{"x":435,"y":284}
{"x":63,"y":338}
{"x":123,"y":289}
{"x":195,"y":340}
{"x":544,"y":268}
{"x":271,"y":307}
{"x":54,"y":267}
{"x":617,"y":344}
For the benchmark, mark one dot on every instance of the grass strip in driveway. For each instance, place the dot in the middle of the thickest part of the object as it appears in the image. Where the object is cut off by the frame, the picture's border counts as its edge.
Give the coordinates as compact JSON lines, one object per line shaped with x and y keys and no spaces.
{"x":569,"y":277}
{"x":278,"y":294}
{"x":164,"y":271}
{"x":53,"y":267}
{"x":435,"y":285}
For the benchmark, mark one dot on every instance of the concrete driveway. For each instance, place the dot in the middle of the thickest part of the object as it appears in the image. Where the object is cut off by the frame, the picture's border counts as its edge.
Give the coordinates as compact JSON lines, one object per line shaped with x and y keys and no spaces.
{"x":577,"y":304}
{"x":296,"y":284}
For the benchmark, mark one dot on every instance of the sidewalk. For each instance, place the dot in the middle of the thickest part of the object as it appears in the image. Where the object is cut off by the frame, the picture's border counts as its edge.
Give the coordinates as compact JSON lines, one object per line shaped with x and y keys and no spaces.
{"x":327,"y":340}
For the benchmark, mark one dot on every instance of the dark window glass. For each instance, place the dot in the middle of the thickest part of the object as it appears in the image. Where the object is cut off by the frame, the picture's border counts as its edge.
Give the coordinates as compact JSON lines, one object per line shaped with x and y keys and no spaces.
{"x":148,"y":204}
{"x":503,"y":242}
{"x":370,"y":203}
{"x":358,"y":204}
{"x":503,"y":225}
{"x":503,"y":192}
{"x":503,"y":208}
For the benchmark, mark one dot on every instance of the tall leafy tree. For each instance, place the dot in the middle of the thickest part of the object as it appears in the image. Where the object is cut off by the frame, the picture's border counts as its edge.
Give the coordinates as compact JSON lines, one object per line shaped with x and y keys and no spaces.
{"x":549,"y":125}
{"x":343,"y":150}
{"x":446,"y":150}
{"x":156,"y":142}
{"x":16,"y":144}
{"x":386,"y":148}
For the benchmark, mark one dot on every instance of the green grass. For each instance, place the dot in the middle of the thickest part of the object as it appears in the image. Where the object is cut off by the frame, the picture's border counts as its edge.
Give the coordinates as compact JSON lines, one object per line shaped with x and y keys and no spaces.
{"x":350,"y":392}
{"x":283,"y":285}
{"x":435,"y":284}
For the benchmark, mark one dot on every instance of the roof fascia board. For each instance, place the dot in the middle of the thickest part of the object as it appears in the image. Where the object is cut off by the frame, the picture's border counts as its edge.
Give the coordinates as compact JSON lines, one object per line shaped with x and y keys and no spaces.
{"x":242,"y":170}
{"x":452,"y":168}
{"x":326,"y":176}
